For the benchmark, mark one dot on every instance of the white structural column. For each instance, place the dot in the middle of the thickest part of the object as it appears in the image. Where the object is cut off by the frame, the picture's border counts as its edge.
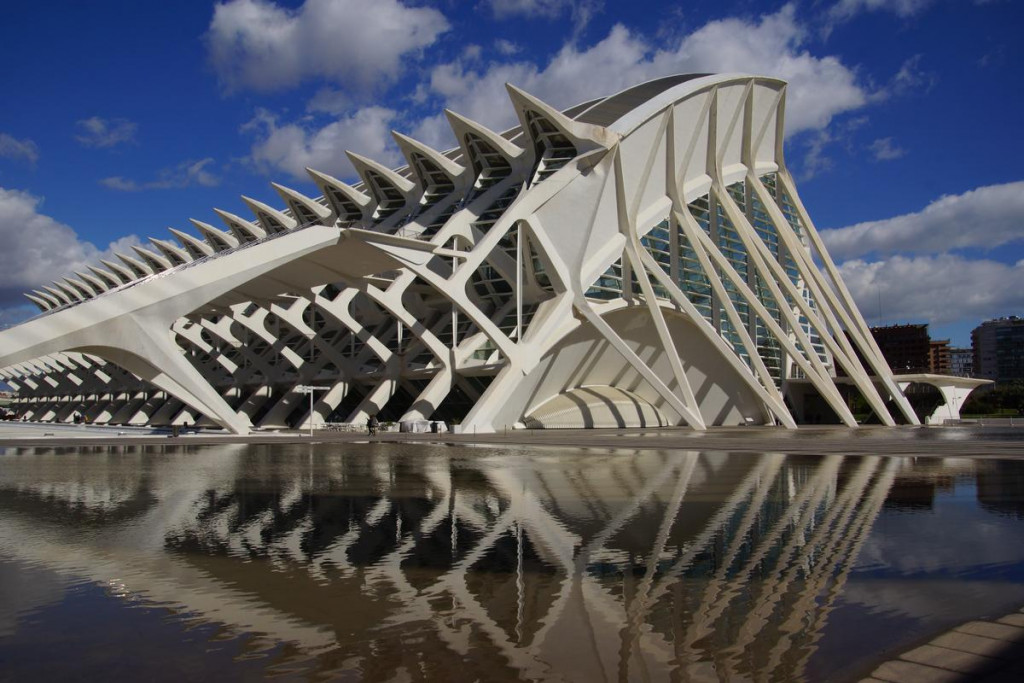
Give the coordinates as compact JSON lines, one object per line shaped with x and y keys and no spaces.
{"x":858,"y":328}
{"x":627,"y":214}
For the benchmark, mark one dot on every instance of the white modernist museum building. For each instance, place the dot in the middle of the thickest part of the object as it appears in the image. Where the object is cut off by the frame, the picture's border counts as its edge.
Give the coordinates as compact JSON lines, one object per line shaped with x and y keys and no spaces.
{"x":641,"y":259}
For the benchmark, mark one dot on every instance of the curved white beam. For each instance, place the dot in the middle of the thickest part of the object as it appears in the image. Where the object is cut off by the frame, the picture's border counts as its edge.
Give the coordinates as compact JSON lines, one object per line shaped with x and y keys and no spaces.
{"x":414,"y":150}
{"x":272,"y":220}
{"x":39,"y":301}
{"x":138,"y":268}
{"x":305,"y":209}
{"x":174,"y":254}
{"x":245,"y":231}
{"x":125,"y":275}
{"x":219,"y":240}
{"x":97,"y":284}
{"x":156,"y":262}
{"x":348,"y":203}
{"x":195,"y":247}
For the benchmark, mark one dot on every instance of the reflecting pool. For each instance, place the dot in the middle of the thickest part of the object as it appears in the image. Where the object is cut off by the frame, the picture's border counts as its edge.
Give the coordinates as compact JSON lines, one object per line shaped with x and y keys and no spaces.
{"x":410,"y":562}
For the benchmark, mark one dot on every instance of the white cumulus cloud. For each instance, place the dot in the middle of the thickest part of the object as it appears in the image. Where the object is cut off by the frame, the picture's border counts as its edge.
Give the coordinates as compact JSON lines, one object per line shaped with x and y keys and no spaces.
{"x":820,"y":88}
{"x":506,"y":47}
{"x":582,"y":11}
{"x":884,"y":149}
{"x":940,"y":289}
{"x":99,"y":132}
{"x":261,"y":45}
{"x":291,"y":147}
{"x":13,"y":148}
{"x":847,"y":9}
{"x":529,"y":8}
{"x":986,"y":217}
{"x":39,"y":249}
{"x":186,"y":174}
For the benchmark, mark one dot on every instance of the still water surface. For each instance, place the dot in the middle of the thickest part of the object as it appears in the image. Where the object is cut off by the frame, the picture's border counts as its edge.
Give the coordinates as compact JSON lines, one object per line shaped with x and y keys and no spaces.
{"x":416,"y":562}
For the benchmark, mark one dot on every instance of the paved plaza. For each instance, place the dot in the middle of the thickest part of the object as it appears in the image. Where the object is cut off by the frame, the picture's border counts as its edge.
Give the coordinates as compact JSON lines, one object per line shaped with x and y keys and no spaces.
{"x":1003,"y":441}
{"x":987,"y":651}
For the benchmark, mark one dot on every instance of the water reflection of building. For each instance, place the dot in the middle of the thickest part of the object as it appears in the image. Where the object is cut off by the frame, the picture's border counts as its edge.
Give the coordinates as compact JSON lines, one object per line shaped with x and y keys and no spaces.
{"x":916,"y":486}
{"x":1000,"y":484}
{"x":1001,"y":487}
{"x":662,"y":564}
{"x":921,"y":480}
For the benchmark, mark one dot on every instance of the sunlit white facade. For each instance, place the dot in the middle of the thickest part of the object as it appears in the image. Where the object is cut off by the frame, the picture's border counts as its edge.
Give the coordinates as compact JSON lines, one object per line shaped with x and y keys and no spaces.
{"x":641,"y":259}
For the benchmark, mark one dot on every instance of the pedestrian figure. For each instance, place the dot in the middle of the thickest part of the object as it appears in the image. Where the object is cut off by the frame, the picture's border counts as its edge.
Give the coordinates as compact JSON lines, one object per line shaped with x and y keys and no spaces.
{"x":371,"y":425}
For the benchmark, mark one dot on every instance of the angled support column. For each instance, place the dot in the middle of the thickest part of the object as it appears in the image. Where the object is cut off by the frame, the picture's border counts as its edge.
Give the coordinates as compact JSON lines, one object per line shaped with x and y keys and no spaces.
{"x":152,"y":355}
{"x":375,"y":400}
{"x":605,"y":330}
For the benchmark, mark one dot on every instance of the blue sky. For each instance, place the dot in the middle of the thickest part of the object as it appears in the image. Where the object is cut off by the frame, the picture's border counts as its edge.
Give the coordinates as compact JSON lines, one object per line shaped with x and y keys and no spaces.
{"x":120,"y":119}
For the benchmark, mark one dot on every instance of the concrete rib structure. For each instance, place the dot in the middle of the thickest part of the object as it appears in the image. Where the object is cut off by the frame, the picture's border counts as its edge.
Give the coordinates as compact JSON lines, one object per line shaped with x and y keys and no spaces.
{"x":641,"y":259}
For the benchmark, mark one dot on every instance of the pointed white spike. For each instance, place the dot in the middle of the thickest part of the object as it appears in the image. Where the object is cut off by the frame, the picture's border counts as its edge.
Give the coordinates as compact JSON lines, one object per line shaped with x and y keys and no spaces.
{"x":462,"y":125}
{"x":219,"y":240}
{"x":192,"y":244}
{"x":156,"y":261}
{"x":351,"y":193}
{"x":410,"y":147}
{"x":42,"y":303}
{"x":348,"y":203}
{"x":270,"y":218}
{"x":70,"y":291}
{"x":46,"y":296}
{"x":585,"y":136}
{"x":59,"y":293}
{"x":125,"y":275}
{"x":363,"y":165}
{"x":137,"y":267}
{"x":108,"y":278}
{"x":97,"y":284}
{"x":80,"y":287}
{"x":304,"y":208}
{"x":246,"y":231}
{"x":175,"y":254}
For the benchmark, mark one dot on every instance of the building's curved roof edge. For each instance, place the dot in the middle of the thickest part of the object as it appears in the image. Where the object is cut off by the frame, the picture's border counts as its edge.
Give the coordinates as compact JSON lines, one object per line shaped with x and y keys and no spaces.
{"x":606,"y":110}
{"x":643,"y":111}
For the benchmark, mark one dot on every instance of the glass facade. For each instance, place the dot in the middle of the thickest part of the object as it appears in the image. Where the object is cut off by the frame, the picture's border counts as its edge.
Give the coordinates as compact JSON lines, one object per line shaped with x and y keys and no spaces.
{"x":670,"y":247}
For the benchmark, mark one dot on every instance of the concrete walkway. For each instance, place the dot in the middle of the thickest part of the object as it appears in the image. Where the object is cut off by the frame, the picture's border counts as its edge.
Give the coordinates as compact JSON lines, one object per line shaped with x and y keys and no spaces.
{"x":44,"y":430}
{"x":983,"y":651}
{"x":959,"y":441}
